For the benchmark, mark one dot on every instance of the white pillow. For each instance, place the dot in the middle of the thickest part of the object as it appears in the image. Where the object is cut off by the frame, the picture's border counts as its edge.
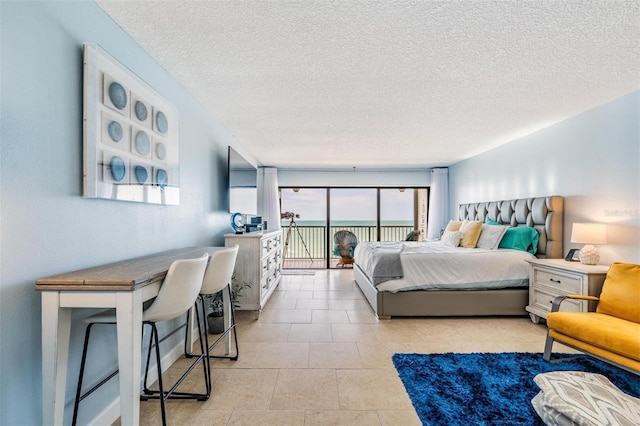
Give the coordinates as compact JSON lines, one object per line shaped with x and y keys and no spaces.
{"x":451,"y":238}
{"x":490,"y":236}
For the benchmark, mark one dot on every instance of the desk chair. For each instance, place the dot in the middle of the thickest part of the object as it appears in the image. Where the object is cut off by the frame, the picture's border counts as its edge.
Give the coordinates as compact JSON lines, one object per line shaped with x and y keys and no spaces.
{"x":177,"y":295}
{"x":217,"y":278}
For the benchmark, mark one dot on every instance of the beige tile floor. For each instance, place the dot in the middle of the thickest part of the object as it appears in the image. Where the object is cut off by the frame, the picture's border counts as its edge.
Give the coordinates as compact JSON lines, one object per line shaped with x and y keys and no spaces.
{"x":318,"y":356}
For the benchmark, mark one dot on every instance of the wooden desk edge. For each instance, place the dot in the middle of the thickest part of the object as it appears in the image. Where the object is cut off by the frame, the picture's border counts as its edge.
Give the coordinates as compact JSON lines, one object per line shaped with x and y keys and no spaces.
{"x":74,"y":280}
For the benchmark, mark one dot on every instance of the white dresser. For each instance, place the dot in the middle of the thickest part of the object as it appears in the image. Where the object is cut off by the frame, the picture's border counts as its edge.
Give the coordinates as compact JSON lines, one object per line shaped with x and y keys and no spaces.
{"x":259,"y":263}
{"x":550,"y":278}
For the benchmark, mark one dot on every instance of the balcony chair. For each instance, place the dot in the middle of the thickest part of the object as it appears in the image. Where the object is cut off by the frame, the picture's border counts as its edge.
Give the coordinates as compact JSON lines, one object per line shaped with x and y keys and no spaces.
{"x":413,"y":235}
{"x":345,"y":243}
{"x":177,"y":295}
{"x":217,"y":278}
{"x":612,"y":332}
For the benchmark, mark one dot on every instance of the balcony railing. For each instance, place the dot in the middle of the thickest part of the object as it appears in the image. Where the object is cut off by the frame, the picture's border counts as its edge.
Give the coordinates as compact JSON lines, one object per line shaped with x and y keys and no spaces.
{"x":295,"y":255}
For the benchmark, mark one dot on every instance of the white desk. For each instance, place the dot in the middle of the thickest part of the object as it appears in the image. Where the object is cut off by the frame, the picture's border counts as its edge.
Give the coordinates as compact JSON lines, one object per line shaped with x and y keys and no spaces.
{"x":124,"y":286}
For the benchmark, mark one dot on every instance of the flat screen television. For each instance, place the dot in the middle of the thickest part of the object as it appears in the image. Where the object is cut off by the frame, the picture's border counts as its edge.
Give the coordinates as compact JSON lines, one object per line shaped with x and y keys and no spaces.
{"x":243,"y":184}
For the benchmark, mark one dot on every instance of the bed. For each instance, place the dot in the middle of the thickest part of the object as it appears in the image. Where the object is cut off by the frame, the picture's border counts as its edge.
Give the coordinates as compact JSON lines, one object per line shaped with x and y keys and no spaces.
{"x":507,"y":293}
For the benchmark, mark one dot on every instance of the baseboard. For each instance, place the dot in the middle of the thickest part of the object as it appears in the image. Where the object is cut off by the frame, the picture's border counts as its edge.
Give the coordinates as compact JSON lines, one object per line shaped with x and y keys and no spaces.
{"x":112,"y":412}
{"x":108,"y":415}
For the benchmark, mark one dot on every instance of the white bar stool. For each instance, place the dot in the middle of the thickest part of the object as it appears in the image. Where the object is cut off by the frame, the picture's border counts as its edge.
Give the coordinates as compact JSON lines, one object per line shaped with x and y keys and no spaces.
{"x":217,"y":278}
{"x":178,"y":292}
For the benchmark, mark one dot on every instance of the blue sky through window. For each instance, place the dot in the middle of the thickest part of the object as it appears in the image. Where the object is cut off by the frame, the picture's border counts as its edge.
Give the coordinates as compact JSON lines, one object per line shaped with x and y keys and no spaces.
{"x":349,"y":204}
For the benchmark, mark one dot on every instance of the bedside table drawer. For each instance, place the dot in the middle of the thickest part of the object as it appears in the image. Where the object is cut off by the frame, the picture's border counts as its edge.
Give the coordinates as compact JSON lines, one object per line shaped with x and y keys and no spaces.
{"x":543,"y":300}
{"x":549,"y":278}
{"x":565,"y":284}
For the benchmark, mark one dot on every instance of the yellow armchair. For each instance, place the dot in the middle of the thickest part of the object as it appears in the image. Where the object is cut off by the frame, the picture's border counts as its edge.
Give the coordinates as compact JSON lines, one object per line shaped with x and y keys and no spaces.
{"x":612,"y":332}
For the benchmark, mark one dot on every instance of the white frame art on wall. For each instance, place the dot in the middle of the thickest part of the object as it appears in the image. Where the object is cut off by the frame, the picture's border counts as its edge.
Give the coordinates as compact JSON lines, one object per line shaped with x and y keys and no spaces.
{"x":131,"y":146}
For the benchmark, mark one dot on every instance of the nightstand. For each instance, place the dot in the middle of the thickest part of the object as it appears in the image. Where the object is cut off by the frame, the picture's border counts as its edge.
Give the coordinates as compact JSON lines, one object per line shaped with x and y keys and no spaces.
{"x":550,"y":278}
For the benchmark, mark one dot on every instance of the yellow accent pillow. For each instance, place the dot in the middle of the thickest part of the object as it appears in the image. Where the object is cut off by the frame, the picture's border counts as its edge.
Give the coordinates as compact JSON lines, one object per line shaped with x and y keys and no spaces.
{"x":470,"y":233}
{"x":453,"y":225}
{"x":620,"y":295}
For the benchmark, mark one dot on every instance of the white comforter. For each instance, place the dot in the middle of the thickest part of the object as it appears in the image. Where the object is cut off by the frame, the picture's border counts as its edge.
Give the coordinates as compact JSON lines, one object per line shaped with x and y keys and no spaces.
{"x":433,"y":266}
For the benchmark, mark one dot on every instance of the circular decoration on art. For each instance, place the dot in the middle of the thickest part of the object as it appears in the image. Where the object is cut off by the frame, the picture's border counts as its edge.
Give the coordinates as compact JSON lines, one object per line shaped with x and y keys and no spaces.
{"x":161,"y":151}
{"x":162,"y":179}
{"x":115,"y":131}
{"x":140,"y":110}
{"x":142,"y":143}
{"x":117,"y":95}
{"x":141,"y":174}
{"x":118,"y":168}
{"x":161,"y":122}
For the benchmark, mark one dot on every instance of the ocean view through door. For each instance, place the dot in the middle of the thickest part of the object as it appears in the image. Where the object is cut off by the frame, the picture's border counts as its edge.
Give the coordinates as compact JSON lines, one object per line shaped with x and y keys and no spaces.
{"x":312,"y":216}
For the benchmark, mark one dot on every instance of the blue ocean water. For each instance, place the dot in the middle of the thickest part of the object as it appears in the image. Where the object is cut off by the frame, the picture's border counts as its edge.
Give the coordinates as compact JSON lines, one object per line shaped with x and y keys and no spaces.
{"x":347,"y":223}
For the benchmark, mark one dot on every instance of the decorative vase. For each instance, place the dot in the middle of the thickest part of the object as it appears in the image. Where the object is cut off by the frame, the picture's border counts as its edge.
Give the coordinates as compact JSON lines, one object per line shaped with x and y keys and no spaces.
{"x":589,"y":255}
{"x":215,"y":324}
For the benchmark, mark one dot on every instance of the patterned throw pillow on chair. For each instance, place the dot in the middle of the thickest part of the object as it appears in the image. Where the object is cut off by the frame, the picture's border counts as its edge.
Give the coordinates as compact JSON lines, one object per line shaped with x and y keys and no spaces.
{"x":577,"y":398}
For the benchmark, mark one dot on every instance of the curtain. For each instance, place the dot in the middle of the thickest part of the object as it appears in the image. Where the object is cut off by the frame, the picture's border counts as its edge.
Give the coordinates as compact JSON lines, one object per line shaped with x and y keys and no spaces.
{"x":438,"y":203}
{"x":268,"y":205}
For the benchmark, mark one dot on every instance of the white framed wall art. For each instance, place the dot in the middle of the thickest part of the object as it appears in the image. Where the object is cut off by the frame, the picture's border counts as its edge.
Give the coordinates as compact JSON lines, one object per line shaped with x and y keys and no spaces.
{"x":130,"y":140}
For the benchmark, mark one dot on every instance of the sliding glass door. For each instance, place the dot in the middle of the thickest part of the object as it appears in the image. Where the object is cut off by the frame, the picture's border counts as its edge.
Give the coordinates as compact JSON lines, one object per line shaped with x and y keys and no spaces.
{"x":304,"y":227}
{"x":312,"y":216}
{"x":354,"y":210}
{"x":402,"y":210}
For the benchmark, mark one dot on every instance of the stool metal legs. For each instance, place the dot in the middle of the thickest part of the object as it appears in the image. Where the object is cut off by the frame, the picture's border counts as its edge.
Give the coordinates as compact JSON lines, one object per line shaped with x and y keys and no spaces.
{"x":224,"y":334}
{"x":172,"y":393}
{"x":79,"y":395}
{"x":160,"y":394}
{"x":232,"y":327}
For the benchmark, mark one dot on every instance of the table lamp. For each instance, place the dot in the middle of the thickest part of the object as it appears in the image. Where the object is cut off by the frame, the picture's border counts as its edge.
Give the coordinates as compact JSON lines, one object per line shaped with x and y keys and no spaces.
{"x":589,"y":234}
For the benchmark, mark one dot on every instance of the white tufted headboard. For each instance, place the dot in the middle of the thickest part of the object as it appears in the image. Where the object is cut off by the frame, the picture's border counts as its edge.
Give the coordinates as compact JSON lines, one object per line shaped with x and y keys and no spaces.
{"x":545,"y":214}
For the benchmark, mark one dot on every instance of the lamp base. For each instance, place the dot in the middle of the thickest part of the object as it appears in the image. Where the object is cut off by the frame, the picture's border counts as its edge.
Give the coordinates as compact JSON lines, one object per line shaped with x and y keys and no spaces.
{"x":589,"y":255}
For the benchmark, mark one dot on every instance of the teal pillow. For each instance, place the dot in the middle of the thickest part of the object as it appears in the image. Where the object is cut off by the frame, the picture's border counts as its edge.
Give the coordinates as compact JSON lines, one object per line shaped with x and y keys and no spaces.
{"x":491,"y":222}
{"x":523,"y":238}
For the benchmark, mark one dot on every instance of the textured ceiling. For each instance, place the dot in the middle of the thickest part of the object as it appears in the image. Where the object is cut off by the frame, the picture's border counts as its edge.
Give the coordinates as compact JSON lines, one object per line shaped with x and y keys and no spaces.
{"x":388,"y":84}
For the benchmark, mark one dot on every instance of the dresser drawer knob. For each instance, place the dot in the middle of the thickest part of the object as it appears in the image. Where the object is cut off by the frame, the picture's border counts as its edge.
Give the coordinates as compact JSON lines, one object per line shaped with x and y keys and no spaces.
{"x":555,"y":281}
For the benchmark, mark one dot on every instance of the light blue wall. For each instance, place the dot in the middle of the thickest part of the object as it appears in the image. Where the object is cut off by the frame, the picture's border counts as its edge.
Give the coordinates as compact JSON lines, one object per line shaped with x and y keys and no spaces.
{"x":45,"y":226}
{"x":592,"y":159}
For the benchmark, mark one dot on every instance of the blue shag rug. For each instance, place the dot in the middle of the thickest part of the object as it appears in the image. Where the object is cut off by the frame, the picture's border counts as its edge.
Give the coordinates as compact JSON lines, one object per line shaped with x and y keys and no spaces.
{"x":488,"y":388}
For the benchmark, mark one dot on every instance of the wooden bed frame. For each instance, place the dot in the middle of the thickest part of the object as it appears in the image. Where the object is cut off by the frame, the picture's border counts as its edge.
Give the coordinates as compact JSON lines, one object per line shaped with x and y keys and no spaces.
{"x":545,"y":214}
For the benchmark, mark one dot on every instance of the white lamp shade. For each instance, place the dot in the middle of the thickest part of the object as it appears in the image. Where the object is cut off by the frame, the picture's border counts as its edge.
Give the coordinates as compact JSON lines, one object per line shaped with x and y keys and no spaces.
{"x":589,"y":233}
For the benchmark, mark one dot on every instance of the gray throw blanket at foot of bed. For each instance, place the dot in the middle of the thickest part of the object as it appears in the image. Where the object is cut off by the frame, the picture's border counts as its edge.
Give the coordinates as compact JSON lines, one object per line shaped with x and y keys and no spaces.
{"x":385,"y":263}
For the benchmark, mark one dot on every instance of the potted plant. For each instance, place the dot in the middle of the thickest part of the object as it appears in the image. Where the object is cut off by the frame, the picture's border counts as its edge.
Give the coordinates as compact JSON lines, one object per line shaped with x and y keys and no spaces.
{"x":215,"y":318}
